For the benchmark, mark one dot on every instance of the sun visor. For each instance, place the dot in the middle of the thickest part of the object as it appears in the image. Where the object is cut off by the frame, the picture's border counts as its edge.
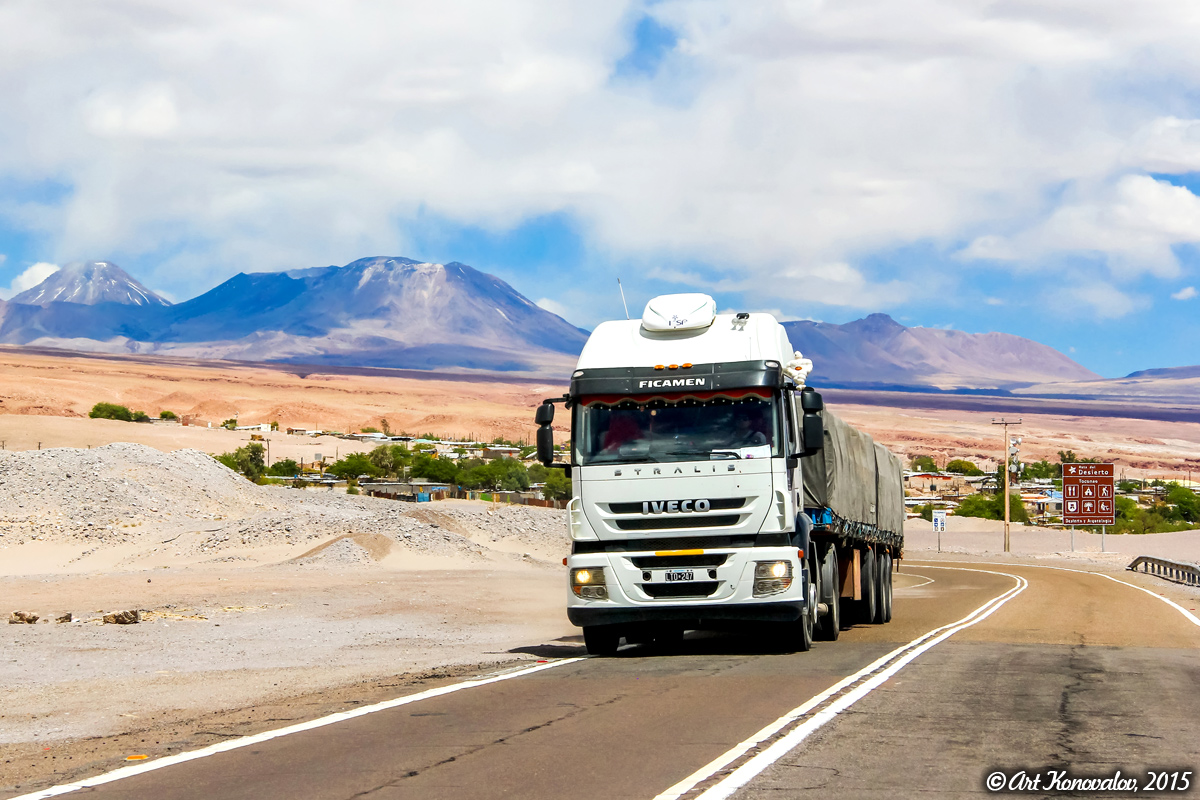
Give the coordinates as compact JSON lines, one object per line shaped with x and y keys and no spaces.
{"x":679,"y":312}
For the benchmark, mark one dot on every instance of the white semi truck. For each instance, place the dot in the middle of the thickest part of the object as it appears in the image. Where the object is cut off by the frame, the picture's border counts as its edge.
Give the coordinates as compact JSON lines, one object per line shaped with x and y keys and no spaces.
{"x":712,"y":489}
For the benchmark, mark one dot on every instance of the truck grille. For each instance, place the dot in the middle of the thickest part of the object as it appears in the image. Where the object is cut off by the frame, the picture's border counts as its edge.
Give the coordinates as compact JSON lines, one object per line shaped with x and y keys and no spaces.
{"x":693,"y":589}
{"x":663,"y":523}
{"x":670,"y":562}
{"x":719,"y":504}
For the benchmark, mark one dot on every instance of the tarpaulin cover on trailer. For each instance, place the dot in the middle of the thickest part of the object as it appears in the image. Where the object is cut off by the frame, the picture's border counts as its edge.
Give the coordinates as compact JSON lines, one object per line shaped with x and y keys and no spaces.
{"x":856,"y":478}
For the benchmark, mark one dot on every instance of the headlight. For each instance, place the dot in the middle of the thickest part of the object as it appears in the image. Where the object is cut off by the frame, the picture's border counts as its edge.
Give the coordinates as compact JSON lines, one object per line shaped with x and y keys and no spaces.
{"x":588,"y":583}
{"x":772,"y":577}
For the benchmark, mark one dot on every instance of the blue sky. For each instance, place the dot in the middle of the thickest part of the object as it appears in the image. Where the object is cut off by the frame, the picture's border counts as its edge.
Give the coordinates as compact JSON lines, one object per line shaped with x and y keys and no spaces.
{"x":988,"y":167}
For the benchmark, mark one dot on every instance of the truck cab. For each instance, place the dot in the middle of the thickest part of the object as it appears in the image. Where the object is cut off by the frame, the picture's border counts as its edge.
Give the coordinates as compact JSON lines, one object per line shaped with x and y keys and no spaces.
{"x":687,"y":433}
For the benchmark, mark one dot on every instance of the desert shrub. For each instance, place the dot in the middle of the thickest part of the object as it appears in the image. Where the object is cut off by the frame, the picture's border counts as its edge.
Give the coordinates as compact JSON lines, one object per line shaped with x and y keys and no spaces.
{"x":167,"y":415}
{"x":352,"y":490}
{"x":140,"y":416}
{"x":229,"y":423}
{"x":963,"y":467}
{"x":111,"y":411}
{"x":924,"y":464}
{"x":926,"y":512}
{"x":987,"y":506}
{"x":353,"y":465}
{"x":249,"y":460}
{"x":369,"y":429}
{"x":284,"y":467}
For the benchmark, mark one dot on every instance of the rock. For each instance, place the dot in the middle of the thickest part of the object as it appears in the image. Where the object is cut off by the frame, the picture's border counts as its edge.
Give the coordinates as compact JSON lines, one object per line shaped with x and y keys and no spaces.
{"x":123,"y":618}
{"x":67,"y":617}
{"x":22,"y":618}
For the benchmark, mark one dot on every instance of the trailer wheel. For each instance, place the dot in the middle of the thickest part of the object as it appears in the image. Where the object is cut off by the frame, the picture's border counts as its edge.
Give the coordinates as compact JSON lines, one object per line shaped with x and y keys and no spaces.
{"x":883,"y":612}
{"x":601,"y":640}
{"x":886,"y":586}
{"x":869,"y":583}
{"x":831,"y":623}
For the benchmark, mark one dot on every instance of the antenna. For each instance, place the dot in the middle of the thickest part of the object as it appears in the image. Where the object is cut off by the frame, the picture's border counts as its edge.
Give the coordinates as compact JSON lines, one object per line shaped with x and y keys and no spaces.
{"x":622,"y":288}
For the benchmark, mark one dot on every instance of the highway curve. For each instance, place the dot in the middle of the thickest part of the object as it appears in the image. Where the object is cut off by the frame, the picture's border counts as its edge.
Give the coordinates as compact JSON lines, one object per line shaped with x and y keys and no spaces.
{"x":1062,"y":670}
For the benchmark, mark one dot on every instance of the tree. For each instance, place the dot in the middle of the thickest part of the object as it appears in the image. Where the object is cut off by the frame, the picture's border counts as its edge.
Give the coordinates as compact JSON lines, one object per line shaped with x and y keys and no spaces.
{"x":249,"y":460}
{"x":369,"y":429}
{"x":963,"y":467}
{"x":537,"y":473}
{"x":1186,"y":504}
{"x":111,"y":411}
{"x":1040,"y":470}
{"x":441,"y":470}
{"x":924,"y":464}
{"x":926,"y":512}
{"x":390,"y":458}
{"x":284,"y":467}
{"x":167,"y":415}
{"x":558,"y":485}
{"x":140,"y":416}
{"x":992,"y":507}
{"x":229,"y":423}
{"x":353,"y":465}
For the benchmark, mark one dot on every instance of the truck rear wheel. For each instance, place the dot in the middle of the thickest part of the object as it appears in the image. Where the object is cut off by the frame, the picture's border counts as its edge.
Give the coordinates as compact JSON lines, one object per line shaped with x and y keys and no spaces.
{"x":601,"y":640}
{"x":868,"y":583}
{"x":885,"y":588}
{"x":831,"y":623}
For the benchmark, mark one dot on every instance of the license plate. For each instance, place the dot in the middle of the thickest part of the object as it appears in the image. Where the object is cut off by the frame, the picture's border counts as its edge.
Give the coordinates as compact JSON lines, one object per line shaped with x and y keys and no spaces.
{"x":680,"y":575}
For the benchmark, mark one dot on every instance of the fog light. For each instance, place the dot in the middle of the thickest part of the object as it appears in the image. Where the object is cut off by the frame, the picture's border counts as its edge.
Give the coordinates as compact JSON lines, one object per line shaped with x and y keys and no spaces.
{"x":772,"y":577}
{"x":589,"y":583}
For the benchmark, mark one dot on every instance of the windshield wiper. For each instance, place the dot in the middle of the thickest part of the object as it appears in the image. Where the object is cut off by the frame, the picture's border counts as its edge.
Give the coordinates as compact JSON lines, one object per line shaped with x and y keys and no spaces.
{"x":726,"y":453}
{"x":699,"y":452}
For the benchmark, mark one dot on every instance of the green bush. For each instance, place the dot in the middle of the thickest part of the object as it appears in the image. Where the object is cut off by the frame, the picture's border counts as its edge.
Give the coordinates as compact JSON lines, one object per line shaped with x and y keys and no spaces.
{"x":229,"y":423}
{"x":167,"y":415}
{"x":352,"y":490}
{"x":141,"y":416}
{"x":248,"y":460}
{"x":352,"y":466}
{"x":111,"y":411}
{"x":924,"y":464}
{"x":962,"y":467}
{"x":988,"y":506}
{"x":926,"y":512}
{"x":284,"y":468}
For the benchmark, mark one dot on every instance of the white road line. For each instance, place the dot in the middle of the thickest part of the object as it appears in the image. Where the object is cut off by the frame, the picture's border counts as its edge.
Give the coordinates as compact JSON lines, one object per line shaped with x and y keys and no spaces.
{"x":889,"y":664}
{"x":928,"y":580}
{"x":245,"y":741}
{"x":1191,"y":617}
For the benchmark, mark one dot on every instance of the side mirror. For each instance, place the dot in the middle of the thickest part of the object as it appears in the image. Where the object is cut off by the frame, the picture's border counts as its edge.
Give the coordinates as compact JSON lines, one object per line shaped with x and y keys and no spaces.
{"x":811,"y":401}
{"x":545,"y":442}
{"x":545,"y":414}
{"x":814,"y":433}
{"x":793,"y":462}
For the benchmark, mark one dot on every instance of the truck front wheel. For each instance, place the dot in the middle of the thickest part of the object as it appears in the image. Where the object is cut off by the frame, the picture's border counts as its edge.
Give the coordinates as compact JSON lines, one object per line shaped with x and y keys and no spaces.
{"x":601,"y":640}
{"x":801,"y":631}
{"x":830,"y":595}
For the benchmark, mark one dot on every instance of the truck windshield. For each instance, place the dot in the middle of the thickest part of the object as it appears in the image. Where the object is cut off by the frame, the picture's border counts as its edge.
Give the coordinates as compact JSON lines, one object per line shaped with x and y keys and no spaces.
{"x":694,"y":427}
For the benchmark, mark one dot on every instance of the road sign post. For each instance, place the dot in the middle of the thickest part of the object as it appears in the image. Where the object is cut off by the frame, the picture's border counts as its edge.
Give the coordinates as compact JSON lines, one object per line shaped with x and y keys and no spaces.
{"x":1089,"y":497}
{"x":939,"y":526}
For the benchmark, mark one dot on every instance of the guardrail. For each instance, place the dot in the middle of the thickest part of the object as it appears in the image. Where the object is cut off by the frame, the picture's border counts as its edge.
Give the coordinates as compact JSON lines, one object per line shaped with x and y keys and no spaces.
{"x":1177,"y":571}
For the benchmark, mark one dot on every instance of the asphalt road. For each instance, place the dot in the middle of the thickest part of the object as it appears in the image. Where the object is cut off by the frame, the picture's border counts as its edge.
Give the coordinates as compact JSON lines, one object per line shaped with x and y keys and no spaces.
{"x":1075,"y":671}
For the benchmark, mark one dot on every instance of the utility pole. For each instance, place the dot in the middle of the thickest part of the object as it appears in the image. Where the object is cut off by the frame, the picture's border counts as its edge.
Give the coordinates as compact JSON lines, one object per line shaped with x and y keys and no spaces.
{"x":1010,"y":449}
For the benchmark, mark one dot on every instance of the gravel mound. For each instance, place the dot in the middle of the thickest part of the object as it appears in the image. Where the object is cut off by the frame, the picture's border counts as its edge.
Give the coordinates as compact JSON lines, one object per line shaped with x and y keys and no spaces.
{"x":130,"y":493}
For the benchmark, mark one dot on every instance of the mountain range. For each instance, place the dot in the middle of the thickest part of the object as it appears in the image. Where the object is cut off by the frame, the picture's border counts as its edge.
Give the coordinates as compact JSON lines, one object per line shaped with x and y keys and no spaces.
{"x":400,"y":313}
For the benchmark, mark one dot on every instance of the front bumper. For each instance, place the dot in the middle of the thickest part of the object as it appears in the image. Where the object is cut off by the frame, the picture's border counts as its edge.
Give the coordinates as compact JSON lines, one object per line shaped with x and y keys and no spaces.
{"x":636,"y":597}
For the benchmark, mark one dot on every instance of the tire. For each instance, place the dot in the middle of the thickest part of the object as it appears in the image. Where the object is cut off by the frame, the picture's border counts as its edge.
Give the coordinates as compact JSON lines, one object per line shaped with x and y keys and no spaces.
{"x":800,"y":632}
{"x":831,"y":623}
{"x":601,"y":640}
{"x":887,"y":588}
{"x":882,"y":568}
{"x":868,"y":583}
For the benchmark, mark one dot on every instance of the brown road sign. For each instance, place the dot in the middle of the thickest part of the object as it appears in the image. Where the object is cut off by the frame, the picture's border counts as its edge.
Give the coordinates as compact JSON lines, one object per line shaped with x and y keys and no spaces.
{"x":1089,"y":497}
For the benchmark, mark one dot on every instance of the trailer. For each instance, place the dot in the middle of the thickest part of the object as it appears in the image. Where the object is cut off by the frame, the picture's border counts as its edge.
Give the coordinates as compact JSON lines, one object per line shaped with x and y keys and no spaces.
{"x":712,"y":489}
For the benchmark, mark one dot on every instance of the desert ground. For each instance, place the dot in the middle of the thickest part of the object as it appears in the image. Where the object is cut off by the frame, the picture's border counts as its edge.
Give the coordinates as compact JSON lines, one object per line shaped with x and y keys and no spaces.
{"x":261,"y":604}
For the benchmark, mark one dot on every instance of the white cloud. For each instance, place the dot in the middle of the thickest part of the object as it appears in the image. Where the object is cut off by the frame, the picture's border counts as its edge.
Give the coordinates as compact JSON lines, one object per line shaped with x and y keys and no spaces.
{"x":1132,"y":224}
{"x":1097,"y":299}
{"x":993,"y":301}
{"x":252,"y":135}
{"x":554,"y":307}
{"x":29,"y":278}
{"x":1186,"y":293}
